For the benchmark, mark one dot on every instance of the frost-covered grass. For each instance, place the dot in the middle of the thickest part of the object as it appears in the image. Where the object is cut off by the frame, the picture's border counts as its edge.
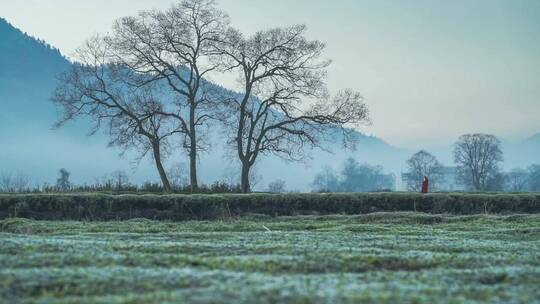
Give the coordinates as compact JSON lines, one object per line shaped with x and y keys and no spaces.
{"x":383,"y":257}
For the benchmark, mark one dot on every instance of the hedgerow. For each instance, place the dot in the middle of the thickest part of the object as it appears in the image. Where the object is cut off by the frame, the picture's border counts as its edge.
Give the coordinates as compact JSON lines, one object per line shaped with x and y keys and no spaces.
{"x":215,"y":206}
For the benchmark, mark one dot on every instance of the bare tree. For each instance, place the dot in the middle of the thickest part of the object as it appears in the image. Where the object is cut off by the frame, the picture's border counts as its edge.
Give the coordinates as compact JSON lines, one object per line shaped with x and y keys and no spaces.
{"x":517,"y":180}
{"x":356,"y":177}
{"x":63,"y":184}
{"x":120,"y":179}
{"x":178,"y":47}
{"x":284,"y":107}
{"x":477,"y":157}
{"x":101,"y":88}
{"x":421,"y":164}
{"x":232,"y":175}
{"x":277,"y":186}
{"x":179,"y":176}
{"x":14,"y":182}
{"x":20,"y":182}
{"x":5,"y":182}
{"x":326,"y":181}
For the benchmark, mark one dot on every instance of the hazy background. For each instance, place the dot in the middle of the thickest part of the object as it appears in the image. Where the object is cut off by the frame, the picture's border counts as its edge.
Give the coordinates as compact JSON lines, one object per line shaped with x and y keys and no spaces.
{"x":430,"y":70}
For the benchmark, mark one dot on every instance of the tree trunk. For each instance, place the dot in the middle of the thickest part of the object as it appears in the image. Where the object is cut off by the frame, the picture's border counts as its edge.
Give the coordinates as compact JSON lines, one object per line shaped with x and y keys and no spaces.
{"x":246,"y":188}
{"x":193,"y":151}
{"x":193,"y":168}
{"x":161,"y":170}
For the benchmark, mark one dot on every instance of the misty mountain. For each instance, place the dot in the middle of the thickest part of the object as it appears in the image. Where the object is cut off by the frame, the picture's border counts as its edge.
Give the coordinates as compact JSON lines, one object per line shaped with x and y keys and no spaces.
{"x":29,"y":68}
{"x":28,"y":71}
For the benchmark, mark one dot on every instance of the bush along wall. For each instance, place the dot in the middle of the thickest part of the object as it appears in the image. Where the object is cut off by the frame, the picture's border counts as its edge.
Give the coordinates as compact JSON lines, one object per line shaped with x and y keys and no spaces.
{"x":103,"y":207}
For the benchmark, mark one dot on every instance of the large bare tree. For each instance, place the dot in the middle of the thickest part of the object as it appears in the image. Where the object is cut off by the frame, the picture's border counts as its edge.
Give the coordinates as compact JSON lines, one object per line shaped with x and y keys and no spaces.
{"x":477,"y":157}
{"x":101,"y":88}
{"x":421,"y":164}
{"x":177,"y":47}
{"x":284,"y":106}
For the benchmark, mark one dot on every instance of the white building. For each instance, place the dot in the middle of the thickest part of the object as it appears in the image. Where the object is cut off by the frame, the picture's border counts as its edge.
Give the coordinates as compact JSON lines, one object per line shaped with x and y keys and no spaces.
{"x":447,"y":182}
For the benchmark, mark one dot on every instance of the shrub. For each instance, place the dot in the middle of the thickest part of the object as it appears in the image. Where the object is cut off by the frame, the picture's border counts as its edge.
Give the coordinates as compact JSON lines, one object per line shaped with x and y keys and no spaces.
{"x":213,"y":206}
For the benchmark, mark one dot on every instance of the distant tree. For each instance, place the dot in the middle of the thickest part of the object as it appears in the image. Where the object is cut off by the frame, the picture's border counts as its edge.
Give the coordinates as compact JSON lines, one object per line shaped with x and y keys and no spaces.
{"x":255,"y":177}
{"x":497,"y":182}
{"x":5,"y":182}
{"x":277,"y":186}
{"x":350,"y":175}
{"x":477,"y":157}
{"x":354,"y":177}
{"x":387,"y":183}
{"x":178,"y":48}
{"x":120,"y":179}
{"x":421,"y":164}
{"x":178,"y":175}
{"x":21,"y":182}
{"x":534,"y":178}
{"x":14,"y":182}
{"x":517,"y":180}
{"x":363,"y":177}
{"x":104,"y":182}
{"x":326,"y":181}
{"x":63,"y":184}
{"x":104,"y":90}
{"x":284,"y":106}
{"x":232,"y":175}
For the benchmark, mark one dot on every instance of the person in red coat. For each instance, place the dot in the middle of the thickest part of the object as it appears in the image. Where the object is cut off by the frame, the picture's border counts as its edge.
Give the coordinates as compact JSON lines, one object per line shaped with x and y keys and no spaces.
{"x":425,"y":185}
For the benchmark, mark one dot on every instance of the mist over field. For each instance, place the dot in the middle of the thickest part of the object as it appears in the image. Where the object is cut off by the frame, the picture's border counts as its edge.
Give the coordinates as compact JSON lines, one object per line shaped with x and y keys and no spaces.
{"x":32,"y":146}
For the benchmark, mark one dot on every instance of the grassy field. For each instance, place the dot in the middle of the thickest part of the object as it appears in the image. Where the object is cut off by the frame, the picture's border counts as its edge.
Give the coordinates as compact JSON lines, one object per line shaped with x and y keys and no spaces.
{"x":381,"y":257}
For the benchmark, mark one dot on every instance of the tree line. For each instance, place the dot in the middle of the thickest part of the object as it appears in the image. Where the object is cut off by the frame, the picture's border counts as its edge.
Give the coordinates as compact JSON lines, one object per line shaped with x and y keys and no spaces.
{"x":117,"y":182}
{"x":478,"y":159}
{"x":478,"y":167}
{"x":354,"y":177}
{"x":145,"y":82}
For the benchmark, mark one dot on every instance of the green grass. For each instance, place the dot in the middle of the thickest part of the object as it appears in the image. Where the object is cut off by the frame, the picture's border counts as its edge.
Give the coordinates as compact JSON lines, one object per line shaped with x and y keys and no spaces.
{"x":380,"y":257}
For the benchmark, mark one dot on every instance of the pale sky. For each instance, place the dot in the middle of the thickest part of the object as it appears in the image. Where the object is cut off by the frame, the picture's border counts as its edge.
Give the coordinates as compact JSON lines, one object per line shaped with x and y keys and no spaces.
{"x":430,"y":70}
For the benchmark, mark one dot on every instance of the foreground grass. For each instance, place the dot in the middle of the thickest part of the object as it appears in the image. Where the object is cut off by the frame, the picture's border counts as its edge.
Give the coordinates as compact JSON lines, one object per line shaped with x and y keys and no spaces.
{"x":384,"y":257}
